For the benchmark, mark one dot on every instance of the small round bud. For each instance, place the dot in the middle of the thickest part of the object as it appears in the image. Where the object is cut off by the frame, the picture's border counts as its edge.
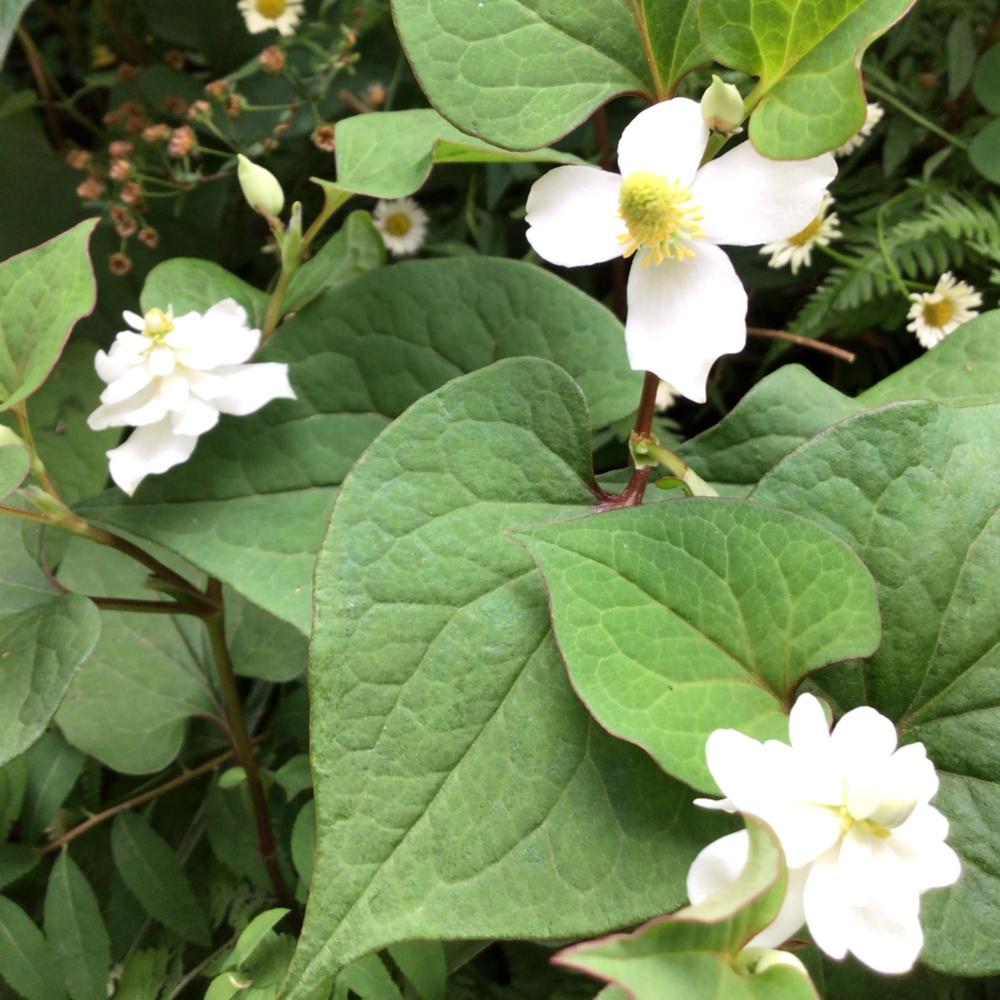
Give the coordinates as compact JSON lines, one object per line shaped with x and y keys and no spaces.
{"x":260,"y":188}
{"x":119,"y":264}
{"x":722,"y":107}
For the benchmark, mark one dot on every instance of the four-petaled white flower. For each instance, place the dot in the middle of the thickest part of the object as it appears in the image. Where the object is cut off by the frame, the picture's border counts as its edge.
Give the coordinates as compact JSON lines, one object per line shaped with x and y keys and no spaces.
{"x":797,"y":250}
{"x":173,"y":378}
{"x":934,"y":315}
{"x":261,"y":15}
{"x":854,"y":819}
{"x":873,"y":115}
{"x":403,"y":225}
{"x":686,"y":305}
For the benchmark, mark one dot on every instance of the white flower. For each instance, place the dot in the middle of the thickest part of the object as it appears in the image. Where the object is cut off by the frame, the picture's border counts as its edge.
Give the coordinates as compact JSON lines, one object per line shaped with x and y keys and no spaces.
{"x":938,"y":313}
{"x":854,"y":819}
{"x":872,"y":117}
{"x":260,"y":15}
{"x":172,"y":379}
{"x":686,"y":306}
{"x":665,"y":396}
{"x":403,"y":225}
{"x":797,"y":249}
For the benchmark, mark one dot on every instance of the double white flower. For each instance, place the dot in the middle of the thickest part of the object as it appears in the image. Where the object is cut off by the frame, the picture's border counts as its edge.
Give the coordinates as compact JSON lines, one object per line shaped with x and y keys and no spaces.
{"x":854,"y":819}
{"x":173,"y":378}
{"x":686,"y":305}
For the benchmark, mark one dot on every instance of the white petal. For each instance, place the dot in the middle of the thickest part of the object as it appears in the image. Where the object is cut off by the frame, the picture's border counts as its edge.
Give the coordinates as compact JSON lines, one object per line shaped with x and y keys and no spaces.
{"x":884,"y":944}
{"x":735,"y":762}
{"x":196,"y":418}
{"x":123,"y":413}
{"x":718,"y":866}
{"x":134,"y":320}
{"x":749,"y":199}
{"x":682,"y":315}
{"x":249,"y":387}
{"x":572,"y":216}
{"x":808,"y":729}
{"x":939,"y":866}
{"x":175,"y":393}
{"x":132,"y":382}
{"x":909,"y":774}
{"x":161,"y":361}
{"x":857,"y":865}
{"x":149,"y":450}
{"x":828,"y":913}
{"x":893,"y":889}
{"x":668,"y":139}
{"x":863,"y":739}
{"x":720,"y":805}
{"x":791,"y":916}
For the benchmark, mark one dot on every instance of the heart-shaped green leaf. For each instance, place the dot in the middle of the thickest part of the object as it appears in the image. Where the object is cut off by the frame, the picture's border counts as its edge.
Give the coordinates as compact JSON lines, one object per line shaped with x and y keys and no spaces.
{"x":251,"y":504}
{"x":682,"y":617}
{"x":914,"y":488}
{"x":807,"y":55}
{"x":462,"y":790}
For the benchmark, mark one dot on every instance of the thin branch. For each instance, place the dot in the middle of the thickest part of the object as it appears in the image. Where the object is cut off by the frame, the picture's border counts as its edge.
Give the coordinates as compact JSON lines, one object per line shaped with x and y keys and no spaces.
{"x":149,"y":607}
{"x":139,"y":800}
{"x":38,"y":71}
{"x":884,"y":95}
{"x":794,"y":338}
{"x":633,"y":493}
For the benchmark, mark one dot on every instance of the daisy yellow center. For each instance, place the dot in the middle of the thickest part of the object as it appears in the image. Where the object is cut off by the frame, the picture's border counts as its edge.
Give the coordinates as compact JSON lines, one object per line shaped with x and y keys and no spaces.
{"x":808,"y":234}
{"x":398,"y":224}
{"x":659,"y":216}
{"x":271,"y":9}
{"x":158,"y":324}
{"x":937,"y":314}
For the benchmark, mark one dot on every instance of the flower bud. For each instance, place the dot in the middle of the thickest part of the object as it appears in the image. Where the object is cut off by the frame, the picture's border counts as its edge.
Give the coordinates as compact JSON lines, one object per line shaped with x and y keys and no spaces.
{"x":759,"y":960}
{"x":260,"y":188}
{"x":722,"y":107}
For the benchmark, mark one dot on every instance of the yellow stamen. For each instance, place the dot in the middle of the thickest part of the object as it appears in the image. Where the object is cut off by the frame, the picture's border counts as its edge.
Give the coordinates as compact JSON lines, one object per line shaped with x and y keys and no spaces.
{"x":807,"y":234}
{"x":847,"y":821}
{"x":938,"y":313}
{"x":398,"y":224}
{"x":659,"y":216}
{"x":158,"y":323}
{"x":271,"y":9}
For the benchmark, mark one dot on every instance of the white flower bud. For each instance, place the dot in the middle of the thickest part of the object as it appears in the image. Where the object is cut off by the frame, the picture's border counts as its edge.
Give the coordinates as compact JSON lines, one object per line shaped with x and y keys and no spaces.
{"x":722,"y":107}
{"x":759,"y":960}
{"x":260,"y":188}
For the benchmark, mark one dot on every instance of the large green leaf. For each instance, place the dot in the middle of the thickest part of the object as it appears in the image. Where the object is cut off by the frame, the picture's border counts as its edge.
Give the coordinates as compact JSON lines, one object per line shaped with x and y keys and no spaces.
{"x":521,"y":73}
{"x":964,"y":369}
{"x":914,"y":488}
{"x":27,"y":962}
{"x":129,"y":704}
{"x":462,"y":790}
{"x":44,"y":637}
{"x":188,"y":284}
{"x":75,"y":928}
{"x":252,"y":503}
{"x":679,"y":618}
{"x":694,"y":953}
{"x":807,"y":55}
{"x":43,"y":292}
{"x":390,"y":154}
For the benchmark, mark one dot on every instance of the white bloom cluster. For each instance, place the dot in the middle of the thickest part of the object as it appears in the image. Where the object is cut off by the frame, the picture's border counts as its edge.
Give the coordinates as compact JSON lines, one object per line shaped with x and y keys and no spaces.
{"x":173,"y":378}
{"x":934,"y":315}
{"x":686,"y":304}
{"x":854,"y":819}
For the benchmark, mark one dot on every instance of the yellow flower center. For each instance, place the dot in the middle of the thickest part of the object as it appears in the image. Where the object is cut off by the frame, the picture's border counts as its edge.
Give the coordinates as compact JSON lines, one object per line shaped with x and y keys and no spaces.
{"x":659,"y":216}
{"x":847,"y":821}
{"x":807,"y":234}
{"x":271,"y":9}
{"x":398,"y":224}
{"x":158,"y":324}
{"x":937,"y":314}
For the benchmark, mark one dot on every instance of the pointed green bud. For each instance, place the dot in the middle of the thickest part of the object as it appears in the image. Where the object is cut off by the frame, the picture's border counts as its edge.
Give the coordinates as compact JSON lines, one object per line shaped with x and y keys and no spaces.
{"x":260,"y":188}
{"x":722,"y":107}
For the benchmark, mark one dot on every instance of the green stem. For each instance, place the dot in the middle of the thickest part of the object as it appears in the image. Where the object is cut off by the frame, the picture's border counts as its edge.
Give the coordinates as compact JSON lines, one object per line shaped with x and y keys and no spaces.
{"x":917,"y":117}
{"x":149,"y":607}
{"x":273,"y":316}
{"x":633,"y":493}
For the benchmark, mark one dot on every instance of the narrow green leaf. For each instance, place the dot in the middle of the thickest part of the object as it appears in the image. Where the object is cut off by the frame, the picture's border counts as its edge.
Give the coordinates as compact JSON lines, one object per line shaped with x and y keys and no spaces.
{"x":806,"y":54}
{"x":425,"y":965}
{"x":960,"y":44}
{"x":295,"y":775}
{"x":27,"y":963}
{"x":255,"y":932}
{"x":16,"y":860}
{"x":10,"y":16}
{"x":986,"y":81}
{"x":233,"y":836}
{"x":914,"y":488}
{"x":984,"y":152}
{"x":520,"y":74}
{"x":354,"y":249}
{"x":43,"y":292}
{"x":150,"y":869}
{"x":53,"y":767}
{"x":13,"y":782}
{"x":370,"y":979}
{"x":304,"y":843}
{"x":507,"y":812}
{"x":225,"y":987}
{"x":390,"y":154}
{"x":75,"y":929}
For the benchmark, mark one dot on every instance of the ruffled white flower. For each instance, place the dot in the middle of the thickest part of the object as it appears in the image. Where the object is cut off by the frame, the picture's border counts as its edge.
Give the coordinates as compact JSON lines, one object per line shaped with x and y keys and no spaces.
{"x":935,"y":314}
{"x":872,"y":117}
{"x":854,"y":819}
{"x":797,"y":250}
{"x":686,"y":305}
{"x":262,"y":15}
{"x":173,"y":378}
{"x":403,"y":225}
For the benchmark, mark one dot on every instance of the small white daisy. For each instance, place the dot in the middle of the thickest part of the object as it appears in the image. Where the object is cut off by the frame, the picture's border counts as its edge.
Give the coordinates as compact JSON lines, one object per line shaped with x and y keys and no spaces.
{"x":403,"y":225}
{"x":262,"y":15}
{"x":797,"y":249}
{"x":872,"y":118}
{"x":936,"y":314}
